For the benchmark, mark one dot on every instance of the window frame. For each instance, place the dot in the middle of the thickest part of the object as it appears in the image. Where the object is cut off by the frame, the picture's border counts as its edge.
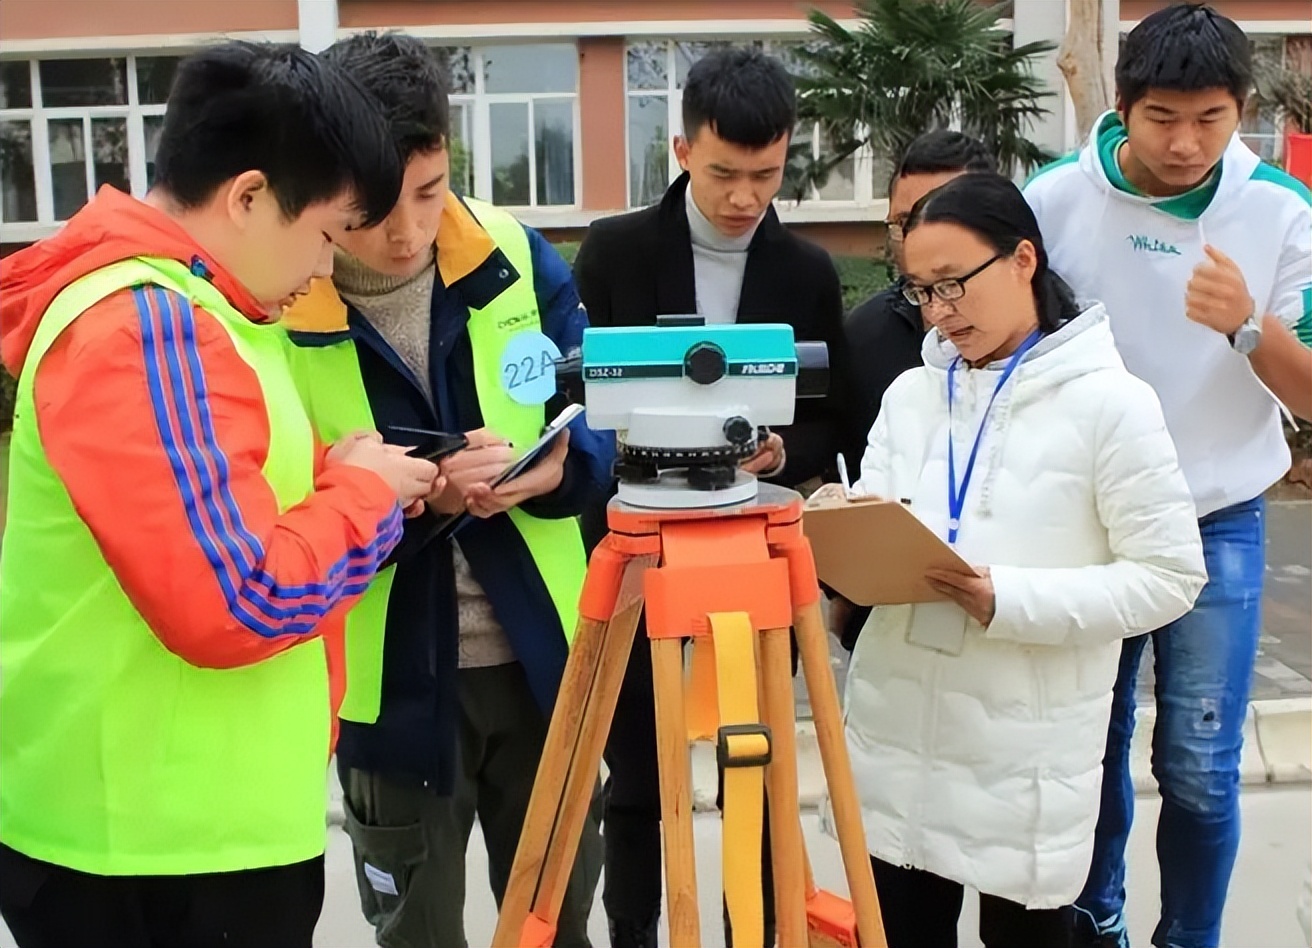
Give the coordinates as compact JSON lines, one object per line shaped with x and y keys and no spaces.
{"x":863,"y":198}
{"x":477,"y":110}
{"x":38,"y":115}
{"x":476,"y":103}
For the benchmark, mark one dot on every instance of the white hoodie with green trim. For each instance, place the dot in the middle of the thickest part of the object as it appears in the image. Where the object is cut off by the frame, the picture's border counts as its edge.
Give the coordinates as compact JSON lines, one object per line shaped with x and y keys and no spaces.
{"x":1135,"y":254}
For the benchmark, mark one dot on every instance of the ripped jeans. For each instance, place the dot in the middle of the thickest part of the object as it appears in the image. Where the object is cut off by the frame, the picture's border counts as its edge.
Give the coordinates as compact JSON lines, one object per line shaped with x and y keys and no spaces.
{"x":1203,"y":664}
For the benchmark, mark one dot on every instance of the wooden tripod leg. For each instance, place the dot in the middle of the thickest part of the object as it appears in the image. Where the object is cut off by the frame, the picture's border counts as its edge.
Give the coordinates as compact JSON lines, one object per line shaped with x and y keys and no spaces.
{"x":595,"y":730}
{"x":676,"y":793}
{"x":787,"y":849}
{"x":570,"y":761}
{"x":813,"y":641}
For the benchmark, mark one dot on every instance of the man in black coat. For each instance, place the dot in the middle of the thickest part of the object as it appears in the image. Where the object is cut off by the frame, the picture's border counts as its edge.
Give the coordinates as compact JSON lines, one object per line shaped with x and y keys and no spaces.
{"x":715,"y":247}
{"x":884,"y":334}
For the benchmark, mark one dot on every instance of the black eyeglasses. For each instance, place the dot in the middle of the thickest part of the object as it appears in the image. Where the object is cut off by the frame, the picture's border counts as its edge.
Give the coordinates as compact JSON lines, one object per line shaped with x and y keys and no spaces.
{"x":953,"y":288}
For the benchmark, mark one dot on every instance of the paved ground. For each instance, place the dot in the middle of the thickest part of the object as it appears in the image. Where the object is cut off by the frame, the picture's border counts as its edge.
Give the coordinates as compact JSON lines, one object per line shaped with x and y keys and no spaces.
{"x":1284,"y":661}
{"x":1273,"y":861}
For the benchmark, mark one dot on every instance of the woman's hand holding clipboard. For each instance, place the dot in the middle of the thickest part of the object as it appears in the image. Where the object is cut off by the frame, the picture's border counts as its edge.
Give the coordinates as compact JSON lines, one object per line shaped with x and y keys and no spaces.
{"x":875,"y":552}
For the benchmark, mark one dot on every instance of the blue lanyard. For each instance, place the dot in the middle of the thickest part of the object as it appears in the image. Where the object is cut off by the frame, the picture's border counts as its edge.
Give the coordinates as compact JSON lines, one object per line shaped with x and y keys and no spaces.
{"x":957,"y":495}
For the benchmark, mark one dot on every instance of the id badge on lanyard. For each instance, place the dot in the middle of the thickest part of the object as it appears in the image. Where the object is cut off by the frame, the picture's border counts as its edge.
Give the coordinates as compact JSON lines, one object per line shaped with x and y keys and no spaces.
{"x":941,"y":626}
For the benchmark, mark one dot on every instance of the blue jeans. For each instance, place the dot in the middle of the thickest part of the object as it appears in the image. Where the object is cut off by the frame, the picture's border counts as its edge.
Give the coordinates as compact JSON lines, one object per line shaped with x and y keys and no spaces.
{"x":1204,"y":665}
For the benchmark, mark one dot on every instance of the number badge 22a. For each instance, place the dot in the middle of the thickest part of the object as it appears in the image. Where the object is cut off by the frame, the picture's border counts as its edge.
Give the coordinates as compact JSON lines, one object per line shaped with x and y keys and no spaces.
{"x":528,"y":369}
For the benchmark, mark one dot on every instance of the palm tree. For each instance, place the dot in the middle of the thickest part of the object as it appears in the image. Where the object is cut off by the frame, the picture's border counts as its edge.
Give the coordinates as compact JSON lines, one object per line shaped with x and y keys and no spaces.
{"x":911,"y":66}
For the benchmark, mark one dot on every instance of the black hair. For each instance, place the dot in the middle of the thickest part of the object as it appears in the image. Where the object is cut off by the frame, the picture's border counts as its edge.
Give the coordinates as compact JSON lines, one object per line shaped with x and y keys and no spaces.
{"x":1185,"y":47}
{"x":942,"y":151}
{"x":745,"y":96}
{"x":310,"y":128}
{"x":409,"y":80}
{"x":993,"y":209}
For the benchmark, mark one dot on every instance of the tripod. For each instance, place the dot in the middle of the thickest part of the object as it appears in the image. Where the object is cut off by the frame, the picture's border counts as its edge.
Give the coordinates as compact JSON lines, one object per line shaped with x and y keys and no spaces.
{"x":734,"y":579}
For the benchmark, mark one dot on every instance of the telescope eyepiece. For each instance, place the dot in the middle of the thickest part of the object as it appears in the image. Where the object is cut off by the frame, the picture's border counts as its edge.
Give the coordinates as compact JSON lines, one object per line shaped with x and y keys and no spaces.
{"x":812,"y":370}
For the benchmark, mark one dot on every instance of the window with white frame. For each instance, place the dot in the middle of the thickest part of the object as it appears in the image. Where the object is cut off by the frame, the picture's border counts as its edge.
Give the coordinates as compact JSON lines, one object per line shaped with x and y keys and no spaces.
{"x":654,"y":76}
{"x":70,"y":125}
{"x":514,"y":123}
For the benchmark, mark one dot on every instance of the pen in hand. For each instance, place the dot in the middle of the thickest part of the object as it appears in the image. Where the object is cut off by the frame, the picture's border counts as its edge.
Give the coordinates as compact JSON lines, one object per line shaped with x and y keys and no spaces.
{"x":843,"y":478}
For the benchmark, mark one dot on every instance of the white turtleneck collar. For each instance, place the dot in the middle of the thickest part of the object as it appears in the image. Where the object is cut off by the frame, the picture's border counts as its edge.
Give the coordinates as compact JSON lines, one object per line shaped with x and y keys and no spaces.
{"x":719,"y":263}
{"x":705,"y":234}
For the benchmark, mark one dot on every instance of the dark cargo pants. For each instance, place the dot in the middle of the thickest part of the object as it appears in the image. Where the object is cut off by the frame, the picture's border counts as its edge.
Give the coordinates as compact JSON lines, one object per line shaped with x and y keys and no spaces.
{"x":410,"y":843}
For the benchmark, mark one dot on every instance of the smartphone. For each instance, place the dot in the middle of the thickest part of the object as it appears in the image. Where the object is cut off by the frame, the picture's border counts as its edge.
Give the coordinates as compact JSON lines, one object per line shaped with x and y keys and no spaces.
{"x":540,"y":449}
{"x":519,"y":466}
{"x":429,"y":445}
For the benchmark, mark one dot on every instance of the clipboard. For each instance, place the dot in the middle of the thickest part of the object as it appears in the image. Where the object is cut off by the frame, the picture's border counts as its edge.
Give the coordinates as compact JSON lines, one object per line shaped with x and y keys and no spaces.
{"x":875,"y":552}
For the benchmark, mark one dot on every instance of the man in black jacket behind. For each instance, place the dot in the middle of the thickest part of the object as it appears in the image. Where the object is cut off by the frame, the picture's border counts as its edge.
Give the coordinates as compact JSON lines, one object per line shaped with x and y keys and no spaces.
{"x":884,"y":334}
{"x":715,"y":247}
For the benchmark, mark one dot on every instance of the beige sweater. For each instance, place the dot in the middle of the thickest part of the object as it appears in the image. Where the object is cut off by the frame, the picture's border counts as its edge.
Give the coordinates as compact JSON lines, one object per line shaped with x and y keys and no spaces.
{"x":400,"y":310}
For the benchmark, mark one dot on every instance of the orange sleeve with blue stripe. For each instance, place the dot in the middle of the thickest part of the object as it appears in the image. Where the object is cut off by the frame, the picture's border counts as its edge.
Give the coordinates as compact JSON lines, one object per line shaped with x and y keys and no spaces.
{"x":158,"y":430}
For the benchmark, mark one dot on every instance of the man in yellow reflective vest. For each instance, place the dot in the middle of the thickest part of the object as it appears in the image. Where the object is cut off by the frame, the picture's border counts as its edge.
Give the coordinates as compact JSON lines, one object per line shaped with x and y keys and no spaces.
{"x":456,"y":654}
{"x":179,"y":552}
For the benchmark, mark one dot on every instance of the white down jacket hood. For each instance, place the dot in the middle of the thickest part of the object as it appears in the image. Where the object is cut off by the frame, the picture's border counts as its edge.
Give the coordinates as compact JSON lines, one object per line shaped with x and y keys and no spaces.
{"x":985,"y":767}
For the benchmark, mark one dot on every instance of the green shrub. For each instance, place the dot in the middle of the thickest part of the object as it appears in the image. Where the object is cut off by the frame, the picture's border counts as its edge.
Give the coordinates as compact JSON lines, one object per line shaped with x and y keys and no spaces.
{"x":569,"y":249}
{"x":861,"y":278}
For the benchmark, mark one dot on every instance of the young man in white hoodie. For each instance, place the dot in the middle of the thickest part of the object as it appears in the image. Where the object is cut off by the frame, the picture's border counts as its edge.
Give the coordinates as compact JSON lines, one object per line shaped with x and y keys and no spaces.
{"x":1203,"y":257}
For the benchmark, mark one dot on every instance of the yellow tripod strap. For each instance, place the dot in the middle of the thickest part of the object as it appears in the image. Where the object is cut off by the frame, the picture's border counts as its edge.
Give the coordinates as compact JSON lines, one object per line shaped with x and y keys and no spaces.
{"x":743,"y":749}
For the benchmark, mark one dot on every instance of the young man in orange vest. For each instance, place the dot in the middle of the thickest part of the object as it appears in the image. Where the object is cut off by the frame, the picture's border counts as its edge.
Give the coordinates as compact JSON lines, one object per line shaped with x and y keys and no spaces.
{"x":179,"y":551}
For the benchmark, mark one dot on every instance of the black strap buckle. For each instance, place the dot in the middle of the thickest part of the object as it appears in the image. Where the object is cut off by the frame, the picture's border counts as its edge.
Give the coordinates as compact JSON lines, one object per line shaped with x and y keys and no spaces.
{"x":726,"y":760}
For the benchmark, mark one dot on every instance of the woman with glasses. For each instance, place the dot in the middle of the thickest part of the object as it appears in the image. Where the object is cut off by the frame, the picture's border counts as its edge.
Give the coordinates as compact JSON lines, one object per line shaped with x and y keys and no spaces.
{"x":977,"y":724}
{"x":884,"y":333}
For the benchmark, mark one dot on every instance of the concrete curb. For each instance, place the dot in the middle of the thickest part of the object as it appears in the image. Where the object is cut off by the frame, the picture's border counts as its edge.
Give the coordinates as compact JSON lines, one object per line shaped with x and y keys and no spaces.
{"x":1277,"y":744}
{"x":1277,"y":750}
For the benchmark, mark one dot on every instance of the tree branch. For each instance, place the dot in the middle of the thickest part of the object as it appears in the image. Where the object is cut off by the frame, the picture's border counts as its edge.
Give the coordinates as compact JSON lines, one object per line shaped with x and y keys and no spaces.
{"x":1080,"y":61}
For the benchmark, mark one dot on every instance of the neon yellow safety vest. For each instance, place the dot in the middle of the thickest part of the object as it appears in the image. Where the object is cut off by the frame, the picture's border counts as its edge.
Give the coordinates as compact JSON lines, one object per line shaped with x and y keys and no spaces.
{"x":116,"y":756}
{"x":333,"y":390}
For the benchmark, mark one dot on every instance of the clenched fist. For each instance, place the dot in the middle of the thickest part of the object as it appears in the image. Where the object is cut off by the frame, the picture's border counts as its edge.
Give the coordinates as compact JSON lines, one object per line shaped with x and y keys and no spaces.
{"x":1217,"y":295}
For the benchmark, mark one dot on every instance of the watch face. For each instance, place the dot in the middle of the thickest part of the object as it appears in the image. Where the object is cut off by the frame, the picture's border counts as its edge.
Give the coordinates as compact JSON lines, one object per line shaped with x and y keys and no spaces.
{"x":1247,"y":338}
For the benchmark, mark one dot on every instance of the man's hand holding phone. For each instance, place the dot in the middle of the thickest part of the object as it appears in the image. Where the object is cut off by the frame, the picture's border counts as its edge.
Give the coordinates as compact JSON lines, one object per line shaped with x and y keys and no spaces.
{"x":486,"y":456}
{"x":410,"y":478}
{"x":471,"y":472}
{"x":543,"y":477}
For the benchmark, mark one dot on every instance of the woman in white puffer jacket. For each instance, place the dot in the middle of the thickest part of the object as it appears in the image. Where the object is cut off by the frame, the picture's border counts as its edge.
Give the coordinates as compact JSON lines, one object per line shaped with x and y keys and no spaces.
{"x":977,"y":726}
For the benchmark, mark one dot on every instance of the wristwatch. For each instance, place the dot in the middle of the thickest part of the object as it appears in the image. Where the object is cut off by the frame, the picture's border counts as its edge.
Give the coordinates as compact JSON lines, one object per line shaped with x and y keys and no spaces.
{"x":1246,"y":338}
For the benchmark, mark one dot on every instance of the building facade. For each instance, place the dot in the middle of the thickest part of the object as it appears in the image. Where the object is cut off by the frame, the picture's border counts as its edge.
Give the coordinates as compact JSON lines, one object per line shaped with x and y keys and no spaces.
{"x":562,"y":109}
